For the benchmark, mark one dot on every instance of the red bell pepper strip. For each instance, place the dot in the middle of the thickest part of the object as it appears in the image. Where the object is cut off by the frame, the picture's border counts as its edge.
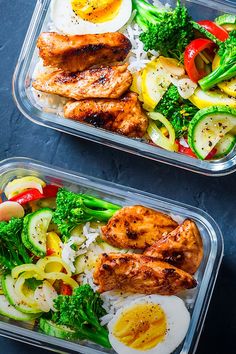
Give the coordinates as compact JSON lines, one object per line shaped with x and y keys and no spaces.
{"x":185,"y":150}
{"x":27,"y":196}
{"x":65,"y":289}
{"x":50,"y":252}
{"x":50,"y":191}
{"x":190,"y":54}
{"x":211,"y":154}
{"x":218,"y":31}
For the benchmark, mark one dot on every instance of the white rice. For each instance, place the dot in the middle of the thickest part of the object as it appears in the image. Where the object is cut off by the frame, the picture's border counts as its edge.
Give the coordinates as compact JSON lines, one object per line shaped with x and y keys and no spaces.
{"x":91,"y":234}
{"x":69,"y":255}
{"x":177,"y":218}
{"x":49,"y":103}
{"x":87,"y":278}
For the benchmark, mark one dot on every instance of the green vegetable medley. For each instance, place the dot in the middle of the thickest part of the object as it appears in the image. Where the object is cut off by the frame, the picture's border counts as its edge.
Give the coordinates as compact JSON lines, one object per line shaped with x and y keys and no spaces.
{"x":227,"y":67}
{"x":168,"y":32}
{"x":81,"y":312}
{"x":178,"y":110}
{"x":73,"y":209}
{"x":12,"y":250}
{"x":37,"y":284}
{"x":193,"y":70}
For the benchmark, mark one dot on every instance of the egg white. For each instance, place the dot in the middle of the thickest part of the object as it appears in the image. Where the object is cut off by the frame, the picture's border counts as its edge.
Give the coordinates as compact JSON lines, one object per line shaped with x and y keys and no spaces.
{"x":177,"y":318}
{"x":67,"y":22}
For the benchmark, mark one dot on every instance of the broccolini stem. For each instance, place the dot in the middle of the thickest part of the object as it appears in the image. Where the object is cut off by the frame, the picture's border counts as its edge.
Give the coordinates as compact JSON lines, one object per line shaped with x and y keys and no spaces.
{"x":5,"y":263}
{"x":100,"y":336}
{"x":24,"y":254}
{"x":102,"y":215}
{"x":93,"y":202}
{"x":218,"y":75}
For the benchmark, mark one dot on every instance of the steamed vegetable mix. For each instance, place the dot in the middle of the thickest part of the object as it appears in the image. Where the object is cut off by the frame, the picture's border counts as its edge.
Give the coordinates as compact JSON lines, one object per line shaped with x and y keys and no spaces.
{"x":81,"y":312}
{"x":167,"y":32}
{"x":12,"y":250}
{"x":227,"y":68}
{"x":192,"y":51}
{"x":73,"y":209}
{"x":207,"y":50}
{"x":39,"y":281}
{"x":178,"y":110}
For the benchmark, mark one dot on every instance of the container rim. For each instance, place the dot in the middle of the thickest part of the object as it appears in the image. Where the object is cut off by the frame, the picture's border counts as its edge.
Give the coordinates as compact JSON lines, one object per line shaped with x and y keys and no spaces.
{"x":20,"y":78}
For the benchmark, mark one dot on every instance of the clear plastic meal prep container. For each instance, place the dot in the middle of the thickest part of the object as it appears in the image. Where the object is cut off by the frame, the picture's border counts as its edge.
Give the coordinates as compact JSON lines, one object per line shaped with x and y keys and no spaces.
{"x":197,"y":299}
{"x":200,"y":9}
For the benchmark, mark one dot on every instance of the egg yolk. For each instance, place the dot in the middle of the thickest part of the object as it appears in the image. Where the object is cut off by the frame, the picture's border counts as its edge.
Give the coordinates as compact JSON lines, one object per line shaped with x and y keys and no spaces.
{"x":141,"y":327}
{"x":96,"y":11}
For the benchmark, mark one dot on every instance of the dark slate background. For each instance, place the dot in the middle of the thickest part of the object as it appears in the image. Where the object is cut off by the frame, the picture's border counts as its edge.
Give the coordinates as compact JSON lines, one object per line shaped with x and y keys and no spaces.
{"x":20,"y":137}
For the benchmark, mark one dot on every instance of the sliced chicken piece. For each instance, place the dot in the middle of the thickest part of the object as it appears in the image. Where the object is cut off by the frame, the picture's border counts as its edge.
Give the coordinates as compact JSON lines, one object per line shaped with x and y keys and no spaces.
{"x":140,"y":274}
{"x":136,"y":227}
{"x":124,"y":116}
{"x":103,"y":82}
{"x":80,"y":52}
{"x":182,"y":247}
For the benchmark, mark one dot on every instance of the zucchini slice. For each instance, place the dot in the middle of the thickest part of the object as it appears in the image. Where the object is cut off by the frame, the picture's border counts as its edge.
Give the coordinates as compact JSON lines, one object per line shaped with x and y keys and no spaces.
{"x":208,"y":127}
{"x":6,"y":309}
{"x":8,"y":284}
{"x":225,"y":145}
{"x":59,"y":331}
{"x":34,"y":234}
{"x":227,"y":21}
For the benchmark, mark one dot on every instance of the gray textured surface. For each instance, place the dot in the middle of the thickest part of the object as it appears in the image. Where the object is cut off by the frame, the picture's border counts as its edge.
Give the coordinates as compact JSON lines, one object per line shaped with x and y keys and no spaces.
{"x":19,"y":137}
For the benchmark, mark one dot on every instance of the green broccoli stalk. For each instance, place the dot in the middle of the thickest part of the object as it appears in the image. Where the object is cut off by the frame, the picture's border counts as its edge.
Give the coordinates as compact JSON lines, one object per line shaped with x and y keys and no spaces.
{"x":81,"y":312}
{"x":178,"y":110}
{"x":227,"y":68}
{"x":73,"y":209}
{"x":12,"y":250}
{"x":168,"y":32}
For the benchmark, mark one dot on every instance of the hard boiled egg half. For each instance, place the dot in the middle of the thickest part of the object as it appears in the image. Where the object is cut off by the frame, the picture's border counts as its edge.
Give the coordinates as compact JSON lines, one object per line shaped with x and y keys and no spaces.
{"x":151,"y":325}
{"x":90,"y":16}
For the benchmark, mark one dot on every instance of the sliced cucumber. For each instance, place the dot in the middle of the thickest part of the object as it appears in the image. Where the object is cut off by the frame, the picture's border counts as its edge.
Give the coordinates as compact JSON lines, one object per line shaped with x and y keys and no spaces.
{"x":225,"y":145}
{"x":6,"y":309}
{"x":208,"y":127}
{"x":78,"y":233}
{"x":227,"y":21}
{"x":34,"y":234}
{"x":9,"y":291}
{"x":81,"y":263}
{"x":59,"y":331}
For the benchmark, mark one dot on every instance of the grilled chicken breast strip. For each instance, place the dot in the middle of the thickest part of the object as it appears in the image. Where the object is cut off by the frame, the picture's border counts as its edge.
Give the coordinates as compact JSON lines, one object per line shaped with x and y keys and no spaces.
{"x":124,"y":116}
{"x":140,"y":274}
{"x":103,"y":82}
{"x":136,"y":227}
{"x":80,"y":52}
{"x":182,"y":247}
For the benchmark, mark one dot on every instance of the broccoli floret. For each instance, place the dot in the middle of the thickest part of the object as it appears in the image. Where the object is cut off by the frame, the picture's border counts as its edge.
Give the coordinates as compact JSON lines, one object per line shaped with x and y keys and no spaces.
{"x":81,"y":312}
{"x":168,"y":32}
{"x":12,"y":250}
{"x":178,"y":110}
{"x":73,"y":209}
{"x":227,"y":68}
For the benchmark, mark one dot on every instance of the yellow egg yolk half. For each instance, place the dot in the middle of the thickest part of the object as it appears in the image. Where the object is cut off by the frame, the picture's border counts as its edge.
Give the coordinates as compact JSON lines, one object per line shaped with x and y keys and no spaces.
{"x":96,"y":11}
{"x":141,"y":327}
